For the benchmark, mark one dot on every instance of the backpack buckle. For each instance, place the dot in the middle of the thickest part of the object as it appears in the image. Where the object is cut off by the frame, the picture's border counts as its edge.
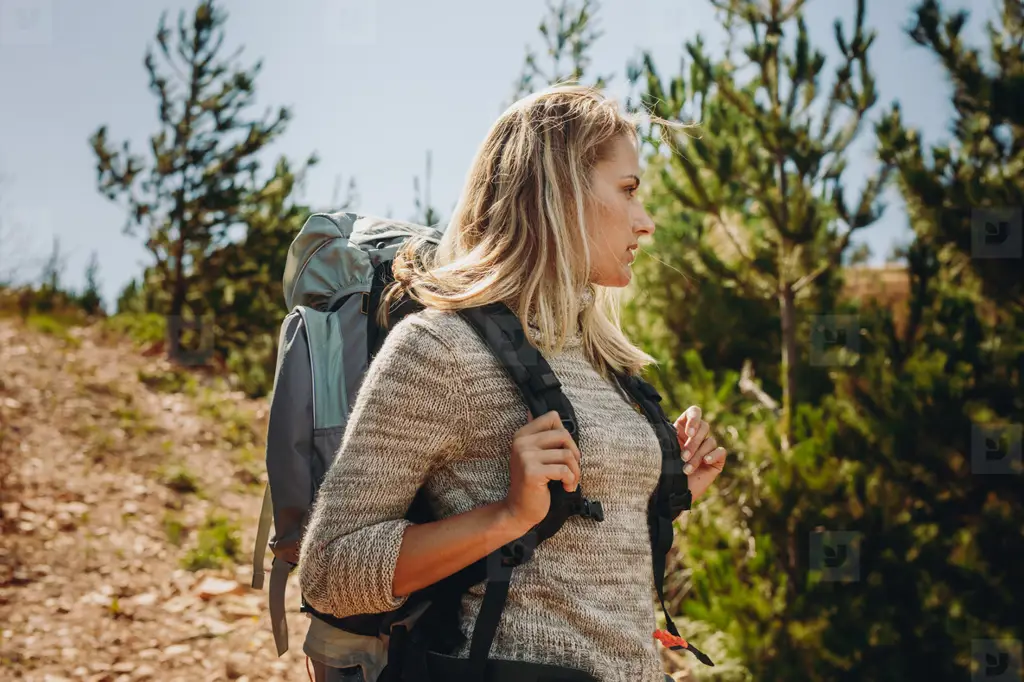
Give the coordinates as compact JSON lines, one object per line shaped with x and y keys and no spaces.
{"x":592,"y":509}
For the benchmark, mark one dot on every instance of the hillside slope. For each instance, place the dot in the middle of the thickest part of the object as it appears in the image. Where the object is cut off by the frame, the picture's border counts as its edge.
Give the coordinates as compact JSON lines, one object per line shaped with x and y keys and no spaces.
{"x":125,"y":470}
{"x":132,"y":481}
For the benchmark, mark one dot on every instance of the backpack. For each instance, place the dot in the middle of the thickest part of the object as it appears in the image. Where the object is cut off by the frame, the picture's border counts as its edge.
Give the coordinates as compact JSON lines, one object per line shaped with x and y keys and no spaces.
{"x":337,"y":268}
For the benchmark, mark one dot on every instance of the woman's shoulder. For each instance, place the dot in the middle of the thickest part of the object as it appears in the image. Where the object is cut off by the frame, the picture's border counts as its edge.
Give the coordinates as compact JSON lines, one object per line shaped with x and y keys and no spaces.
{"x":438,"y":327}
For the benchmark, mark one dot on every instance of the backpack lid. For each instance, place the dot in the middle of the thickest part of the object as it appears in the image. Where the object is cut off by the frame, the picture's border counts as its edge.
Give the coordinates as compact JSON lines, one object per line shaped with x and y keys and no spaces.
{"x":331,"y":254}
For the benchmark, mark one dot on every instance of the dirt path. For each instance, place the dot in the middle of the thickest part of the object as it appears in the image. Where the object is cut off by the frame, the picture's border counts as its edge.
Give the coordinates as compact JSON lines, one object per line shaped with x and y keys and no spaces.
{"x":120,"y":464}
{"x":116,"y":476}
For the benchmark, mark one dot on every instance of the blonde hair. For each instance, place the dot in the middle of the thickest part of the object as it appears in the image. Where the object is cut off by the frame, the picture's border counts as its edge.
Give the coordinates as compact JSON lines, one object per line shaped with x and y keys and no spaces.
{"x":518,"y":233}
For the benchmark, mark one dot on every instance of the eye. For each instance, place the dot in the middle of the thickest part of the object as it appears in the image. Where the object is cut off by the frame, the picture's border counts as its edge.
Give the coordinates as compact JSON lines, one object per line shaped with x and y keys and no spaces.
{"x":632,"y":190}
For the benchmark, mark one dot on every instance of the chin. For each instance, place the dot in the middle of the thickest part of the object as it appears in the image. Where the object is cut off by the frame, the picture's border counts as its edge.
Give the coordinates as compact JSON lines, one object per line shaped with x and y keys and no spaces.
{"x":617,"y":282}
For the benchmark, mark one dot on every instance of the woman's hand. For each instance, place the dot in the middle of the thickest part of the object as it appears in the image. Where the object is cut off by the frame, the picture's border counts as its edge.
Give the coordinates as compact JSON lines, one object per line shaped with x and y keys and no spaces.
{"x":703,"y":457}
{"x":543,"y":450}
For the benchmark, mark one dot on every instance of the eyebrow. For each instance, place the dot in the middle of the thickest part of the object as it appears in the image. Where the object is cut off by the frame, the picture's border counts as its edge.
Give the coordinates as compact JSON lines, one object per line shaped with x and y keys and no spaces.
{"x":635,"y":178}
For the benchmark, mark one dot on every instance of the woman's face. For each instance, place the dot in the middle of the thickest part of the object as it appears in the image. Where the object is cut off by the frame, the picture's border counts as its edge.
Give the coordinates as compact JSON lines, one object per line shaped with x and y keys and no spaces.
{"x":617,"y":219}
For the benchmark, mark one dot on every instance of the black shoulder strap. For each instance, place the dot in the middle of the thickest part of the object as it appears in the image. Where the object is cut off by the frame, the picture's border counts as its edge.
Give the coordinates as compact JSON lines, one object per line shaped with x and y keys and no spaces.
{"x":501,"y":330}
{"x":672,"y":496}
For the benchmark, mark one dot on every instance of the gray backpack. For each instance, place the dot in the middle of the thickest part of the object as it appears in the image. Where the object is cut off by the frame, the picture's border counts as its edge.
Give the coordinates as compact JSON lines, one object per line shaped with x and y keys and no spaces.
{"x":336,"y":269}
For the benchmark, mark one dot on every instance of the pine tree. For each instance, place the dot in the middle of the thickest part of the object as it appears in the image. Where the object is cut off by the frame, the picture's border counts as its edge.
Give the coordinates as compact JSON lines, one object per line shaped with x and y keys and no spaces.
{"x":763,"y":178}
{"x":50,"y":295}
{"x":754,"y":225}
{"x":193,"y":190}
{"x":569,"y":32}
{"x":90,"y":300}
{"x":945,"y":395}
{"x":245,"y":294}
{"x":426,"y":214}
{"x":889,"y":457}
{"x":958,"y":188}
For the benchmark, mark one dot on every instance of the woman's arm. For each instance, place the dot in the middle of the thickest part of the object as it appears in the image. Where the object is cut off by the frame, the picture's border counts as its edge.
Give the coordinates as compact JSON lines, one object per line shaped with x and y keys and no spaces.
{"x":433,"y":551}
{"x":542,"y":451}
{"x":411,"y":415}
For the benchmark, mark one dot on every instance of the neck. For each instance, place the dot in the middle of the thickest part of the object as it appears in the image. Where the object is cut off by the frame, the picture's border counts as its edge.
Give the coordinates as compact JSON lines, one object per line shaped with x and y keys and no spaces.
{"x":585,"y":299}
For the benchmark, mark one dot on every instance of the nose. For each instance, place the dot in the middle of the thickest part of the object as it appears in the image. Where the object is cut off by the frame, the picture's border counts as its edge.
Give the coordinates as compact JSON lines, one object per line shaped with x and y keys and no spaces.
{"x":643,"y":225}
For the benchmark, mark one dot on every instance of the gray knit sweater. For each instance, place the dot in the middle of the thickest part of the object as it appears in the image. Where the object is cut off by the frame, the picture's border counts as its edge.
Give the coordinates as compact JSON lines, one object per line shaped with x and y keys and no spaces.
{"x":436,"y":407}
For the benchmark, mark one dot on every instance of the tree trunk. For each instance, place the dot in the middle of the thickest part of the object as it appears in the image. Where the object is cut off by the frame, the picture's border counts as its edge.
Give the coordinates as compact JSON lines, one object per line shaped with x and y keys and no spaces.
{"x":788,"y":313}
{"x":174,"y":321}
{"x":178,"y":297}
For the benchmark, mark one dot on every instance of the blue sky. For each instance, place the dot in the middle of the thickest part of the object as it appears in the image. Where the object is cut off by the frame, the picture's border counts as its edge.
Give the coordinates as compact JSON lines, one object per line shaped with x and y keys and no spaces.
{"x":371,"y":99}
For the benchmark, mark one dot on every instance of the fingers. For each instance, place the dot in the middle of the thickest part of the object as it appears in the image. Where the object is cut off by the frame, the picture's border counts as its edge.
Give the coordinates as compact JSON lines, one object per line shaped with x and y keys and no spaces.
{"x":545,"y":422}
{"x":716,"y":458}
{"x":548,"y":440}
{"x":563,"y":471}
{"x":706,"y":448}
{"x":710,"y":457}
{"x":691,"y":445}
{"x":554,"y":453}
{"x":565,"y":458}
{"x":689,"y":420}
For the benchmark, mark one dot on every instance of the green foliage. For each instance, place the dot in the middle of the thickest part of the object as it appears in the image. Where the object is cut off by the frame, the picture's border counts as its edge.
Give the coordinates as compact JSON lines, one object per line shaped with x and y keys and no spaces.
{"x":180,"y":480}
{"x":218,"y":233}
{"x":141,"y":328}
{"x":175,"y":380}
{"x":949,"y":186}
{"x":135,"y":299}
{"x":174,"y":528}
{"x":754,"y":202}
{"x":236,"y":426}
{"x":569,"y":31}
{"x":90,"y":299}
{"x":188,"y":196}
{"x":883,"y":447}
{"x":217,"y":545}
{"x":245,"y":298}
{"x":54,"y":325}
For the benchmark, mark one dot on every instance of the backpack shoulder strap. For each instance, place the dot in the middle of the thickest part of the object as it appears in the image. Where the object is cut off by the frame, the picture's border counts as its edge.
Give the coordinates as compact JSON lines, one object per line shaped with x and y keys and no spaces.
{"x":501,"y":331}
{"x":671,"y":498}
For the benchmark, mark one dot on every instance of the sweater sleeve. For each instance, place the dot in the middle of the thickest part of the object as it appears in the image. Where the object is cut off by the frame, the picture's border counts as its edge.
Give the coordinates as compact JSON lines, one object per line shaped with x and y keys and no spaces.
{"x":410,"y":414}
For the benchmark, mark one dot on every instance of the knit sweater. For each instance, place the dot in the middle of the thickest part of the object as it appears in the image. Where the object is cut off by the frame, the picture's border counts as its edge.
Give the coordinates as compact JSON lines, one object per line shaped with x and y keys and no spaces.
{"x":436,"y":408}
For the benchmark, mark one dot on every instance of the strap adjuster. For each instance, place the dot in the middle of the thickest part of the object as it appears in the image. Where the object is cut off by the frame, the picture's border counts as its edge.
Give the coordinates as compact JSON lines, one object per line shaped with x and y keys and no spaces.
{"x":592,"y":509}
{"x":544,"y":382}
{"x":515,"y":553}
{"x":570,"y":425}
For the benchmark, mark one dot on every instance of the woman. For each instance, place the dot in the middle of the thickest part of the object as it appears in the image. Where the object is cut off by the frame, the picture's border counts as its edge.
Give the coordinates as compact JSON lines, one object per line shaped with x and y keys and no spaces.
{"x":548,"y":222}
